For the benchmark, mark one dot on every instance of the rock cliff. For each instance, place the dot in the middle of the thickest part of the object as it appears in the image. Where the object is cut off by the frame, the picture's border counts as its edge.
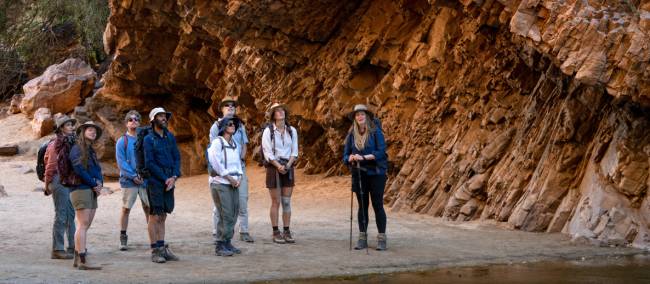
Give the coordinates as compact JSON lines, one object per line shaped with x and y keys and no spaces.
{"x":533,"y":113}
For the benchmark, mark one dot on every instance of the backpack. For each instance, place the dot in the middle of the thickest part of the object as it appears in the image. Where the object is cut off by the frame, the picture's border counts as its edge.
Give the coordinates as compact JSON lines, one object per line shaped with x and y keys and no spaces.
{"x":40,"y":160}
{"x":140,"y":167}
{"x":261,"y":161}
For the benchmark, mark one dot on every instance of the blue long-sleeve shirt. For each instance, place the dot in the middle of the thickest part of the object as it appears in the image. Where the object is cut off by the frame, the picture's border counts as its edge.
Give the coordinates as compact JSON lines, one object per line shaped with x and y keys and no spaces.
{"x":161,"y":157}
{"x":89,"y":175}
{"x":125,"y":156}
{"x":375,"y":145}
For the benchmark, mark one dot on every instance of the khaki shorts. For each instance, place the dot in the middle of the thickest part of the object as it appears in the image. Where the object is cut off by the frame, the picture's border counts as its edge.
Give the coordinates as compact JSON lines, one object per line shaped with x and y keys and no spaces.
{"x":83,"y":199}
{"x":130,"y":194}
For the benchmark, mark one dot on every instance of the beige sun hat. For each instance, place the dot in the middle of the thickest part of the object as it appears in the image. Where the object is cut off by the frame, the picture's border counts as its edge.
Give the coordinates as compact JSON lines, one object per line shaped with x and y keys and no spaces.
{"x":62,"y":121}
{"x":360,"y":107}
{"x":272,"y":109}
{"x":155,"y":111}
{"x":87,"y":124}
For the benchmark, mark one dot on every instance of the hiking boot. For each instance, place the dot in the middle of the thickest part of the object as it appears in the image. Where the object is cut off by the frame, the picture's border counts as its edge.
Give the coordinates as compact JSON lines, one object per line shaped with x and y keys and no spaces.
{"x":381,"y":242}
{"x":221,"y":249}
{"x":75,"y":263}
{"x":157,"y":255}
{"x":70,"y":251}
{"x":362,"y":243}
{"x":246,"y":237}
{"x":168,"y":254}
{"x":84,"y":264}
{"x":229,"y":246}
{"x":288,"y":238}
{"x":123,"y":239}
{"x":61,"y":254}
{"x":214,"y":239}
{"x":278,"y":237}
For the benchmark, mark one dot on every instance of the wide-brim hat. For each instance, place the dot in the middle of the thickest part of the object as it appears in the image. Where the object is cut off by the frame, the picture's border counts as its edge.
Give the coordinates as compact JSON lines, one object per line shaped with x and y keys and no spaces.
{"x":156,"y":111}
{"x":62,"y":121}
{"x":224,"y":123}
{"x":227,"y":99}
{"x":358,"y":108}
{"x":269,"y":112}
{"x":87,"y":124}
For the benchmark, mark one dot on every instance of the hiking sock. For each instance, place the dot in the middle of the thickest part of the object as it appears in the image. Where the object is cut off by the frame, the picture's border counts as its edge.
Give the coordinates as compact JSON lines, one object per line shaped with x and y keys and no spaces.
{"x":286,"y":229}
{"x":160,"y":243}
{"x":123,"y":232}
{"x":275,"y":228}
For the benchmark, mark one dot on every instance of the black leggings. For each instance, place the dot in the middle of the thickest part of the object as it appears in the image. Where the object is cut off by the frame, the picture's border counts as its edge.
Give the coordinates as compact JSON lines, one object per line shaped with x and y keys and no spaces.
{"x":375,"y":186}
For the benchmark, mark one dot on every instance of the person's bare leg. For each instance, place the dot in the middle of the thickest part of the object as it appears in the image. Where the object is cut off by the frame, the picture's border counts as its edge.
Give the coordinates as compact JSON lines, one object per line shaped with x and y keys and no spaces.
{"x":275,"y":206}
{"x":82,"y":218}
{"x":124,"y":219}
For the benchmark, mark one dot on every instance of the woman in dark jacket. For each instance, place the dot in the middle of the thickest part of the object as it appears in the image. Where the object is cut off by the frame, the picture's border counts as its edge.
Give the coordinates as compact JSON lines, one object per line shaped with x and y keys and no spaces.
{"x":84,"y":194}
{"x":365,"y":154}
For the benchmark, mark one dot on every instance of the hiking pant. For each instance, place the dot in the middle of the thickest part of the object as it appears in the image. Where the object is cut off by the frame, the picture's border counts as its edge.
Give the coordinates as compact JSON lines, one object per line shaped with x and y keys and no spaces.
{"x":63,"y":215}
{"x":226,"y":199}
{"x":243,"y":207}
{"x":372,"y":190}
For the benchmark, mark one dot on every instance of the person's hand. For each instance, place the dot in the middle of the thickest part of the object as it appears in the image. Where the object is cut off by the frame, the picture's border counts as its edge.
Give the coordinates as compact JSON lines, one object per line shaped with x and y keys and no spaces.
{"x":352,"y":158}
{"x":98,"y":189}
{"x":138,"y":180}
{"x":368,"y":157}
{"x":47,"y":191}
{"x":170,"y":182}
{"x":282,"y":169}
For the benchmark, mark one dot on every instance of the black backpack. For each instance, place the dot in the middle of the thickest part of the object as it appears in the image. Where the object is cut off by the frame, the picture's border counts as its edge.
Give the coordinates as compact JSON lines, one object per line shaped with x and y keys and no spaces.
{"x":261,"y":161}
{"x":40,"y":160}
{"x":140,"y":167}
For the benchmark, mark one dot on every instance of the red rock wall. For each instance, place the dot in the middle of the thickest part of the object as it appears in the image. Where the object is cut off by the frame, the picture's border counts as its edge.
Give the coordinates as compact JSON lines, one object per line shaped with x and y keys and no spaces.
{"x":534,"y":113}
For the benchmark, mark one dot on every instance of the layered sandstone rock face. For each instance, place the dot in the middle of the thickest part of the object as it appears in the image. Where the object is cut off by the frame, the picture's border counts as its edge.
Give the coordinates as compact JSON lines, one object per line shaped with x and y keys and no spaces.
{"x":533,"y":113}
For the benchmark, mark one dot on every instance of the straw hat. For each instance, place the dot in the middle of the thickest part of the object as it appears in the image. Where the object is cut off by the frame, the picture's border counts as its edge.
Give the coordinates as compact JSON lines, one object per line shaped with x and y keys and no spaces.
{"x":87,"y":124}
{"x":271,"y":110}
{"x":358,"y":108}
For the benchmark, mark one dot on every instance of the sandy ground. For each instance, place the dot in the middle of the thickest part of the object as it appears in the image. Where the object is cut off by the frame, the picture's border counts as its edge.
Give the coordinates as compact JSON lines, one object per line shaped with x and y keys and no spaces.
{"x":320,"y":221}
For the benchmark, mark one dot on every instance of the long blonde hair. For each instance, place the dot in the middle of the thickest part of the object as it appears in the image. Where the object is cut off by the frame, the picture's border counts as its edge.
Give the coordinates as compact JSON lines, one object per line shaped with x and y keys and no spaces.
{"x":360,"y":139}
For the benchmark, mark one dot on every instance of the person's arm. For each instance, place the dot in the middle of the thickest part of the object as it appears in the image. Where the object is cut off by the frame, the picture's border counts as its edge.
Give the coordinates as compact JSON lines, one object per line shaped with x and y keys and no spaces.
{"x":50,"y":161}
{"x":120,"y":157}
{"x":214,"y":131}
{"x":379,"y":152}
{"x":176,"y":155}
{"x":266,"y":145}
{"x":150,"y":162}
{"x":347,"y":150}
{"x":294,"y":147}
{"x":244,"y":141}
{"x":78,"y":167}
{"x":215,"y":155}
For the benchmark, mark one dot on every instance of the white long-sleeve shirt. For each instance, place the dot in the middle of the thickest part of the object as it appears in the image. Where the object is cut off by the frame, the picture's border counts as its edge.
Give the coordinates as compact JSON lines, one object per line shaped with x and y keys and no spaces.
{"x":224,"y":167}
{"x":286,"y":145}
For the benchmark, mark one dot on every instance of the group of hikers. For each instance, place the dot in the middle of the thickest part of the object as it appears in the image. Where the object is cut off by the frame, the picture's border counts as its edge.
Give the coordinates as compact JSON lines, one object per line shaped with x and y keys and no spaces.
{"x":149,"y":163}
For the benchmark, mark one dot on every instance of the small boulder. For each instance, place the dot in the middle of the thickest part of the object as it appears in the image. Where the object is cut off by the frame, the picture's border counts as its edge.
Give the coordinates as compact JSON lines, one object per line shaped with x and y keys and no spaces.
{"x":43,"y":123}
{"x":60,"y":88}
{"x":14,"y":107}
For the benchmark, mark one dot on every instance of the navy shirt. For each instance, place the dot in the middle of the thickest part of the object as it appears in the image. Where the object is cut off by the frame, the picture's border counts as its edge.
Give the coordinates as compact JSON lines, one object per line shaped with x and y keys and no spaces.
{"x":161,"y":157}
{"x":90,"y":174}
{"x":375,"y":145}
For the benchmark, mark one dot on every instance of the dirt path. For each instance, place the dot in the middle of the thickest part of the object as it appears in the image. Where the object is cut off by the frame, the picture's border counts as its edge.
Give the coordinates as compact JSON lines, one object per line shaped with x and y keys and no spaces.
{"x":321,"y":224}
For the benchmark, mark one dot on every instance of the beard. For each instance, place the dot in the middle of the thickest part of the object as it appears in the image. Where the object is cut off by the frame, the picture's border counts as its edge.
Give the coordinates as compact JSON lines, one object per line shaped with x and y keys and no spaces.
{"x":160,"y":124}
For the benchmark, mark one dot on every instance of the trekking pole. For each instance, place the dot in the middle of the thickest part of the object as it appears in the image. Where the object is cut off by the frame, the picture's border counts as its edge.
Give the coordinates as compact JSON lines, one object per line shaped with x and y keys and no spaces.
{"x":363,"y":208}
{"x":351,"y":205}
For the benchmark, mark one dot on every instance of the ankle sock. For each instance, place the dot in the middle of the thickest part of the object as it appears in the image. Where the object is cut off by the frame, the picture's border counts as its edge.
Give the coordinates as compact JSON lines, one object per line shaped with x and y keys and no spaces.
{"x":160,"y":243}
{"x":123,"y":232}
{"x":153,"y":245}
{"x":286,"y":229}
{"x":275,"y":228}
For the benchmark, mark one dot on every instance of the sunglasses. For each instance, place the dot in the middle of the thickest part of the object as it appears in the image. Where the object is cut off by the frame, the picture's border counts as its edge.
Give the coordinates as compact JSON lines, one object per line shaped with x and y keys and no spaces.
{"x":134,"y":119}
{"x":229,"y":124}
{"x":229,"y":105}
